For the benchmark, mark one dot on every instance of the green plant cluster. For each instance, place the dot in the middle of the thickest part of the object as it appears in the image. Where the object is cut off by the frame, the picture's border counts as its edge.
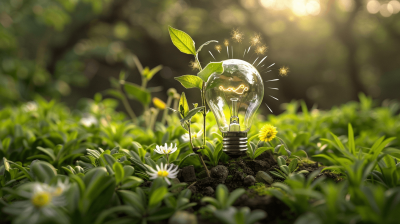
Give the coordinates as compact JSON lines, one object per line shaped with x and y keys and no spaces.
{"x":99,"y":162}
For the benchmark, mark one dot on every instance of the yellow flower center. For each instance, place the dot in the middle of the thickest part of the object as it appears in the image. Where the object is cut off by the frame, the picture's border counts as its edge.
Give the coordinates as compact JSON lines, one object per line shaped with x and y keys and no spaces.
{"x":41,"y":199}
{"x":162,"y":173}
{"x":267,"y":133}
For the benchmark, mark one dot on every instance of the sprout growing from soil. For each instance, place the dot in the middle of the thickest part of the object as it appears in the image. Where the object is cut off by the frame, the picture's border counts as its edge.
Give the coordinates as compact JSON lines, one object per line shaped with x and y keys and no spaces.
{"x":166,"y":172}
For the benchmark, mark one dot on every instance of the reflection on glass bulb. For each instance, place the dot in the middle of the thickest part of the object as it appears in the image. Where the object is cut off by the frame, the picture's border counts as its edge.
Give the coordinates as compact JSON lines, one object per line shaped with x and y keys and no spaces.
{"x":234,"y":96}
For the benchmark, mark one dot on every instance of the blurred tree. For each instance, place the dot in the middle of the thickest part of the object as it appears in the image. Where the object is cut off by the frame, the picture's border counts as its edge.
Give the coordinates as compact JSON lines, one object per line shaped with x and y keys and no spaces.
{"x":334,"y":49}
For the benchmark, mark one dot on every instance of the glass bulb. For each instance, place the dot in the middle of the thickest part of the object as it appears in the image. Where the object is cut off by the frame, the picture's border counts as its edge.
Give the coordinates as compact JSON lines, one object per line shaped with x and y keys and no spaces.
{"x":234,"y":96}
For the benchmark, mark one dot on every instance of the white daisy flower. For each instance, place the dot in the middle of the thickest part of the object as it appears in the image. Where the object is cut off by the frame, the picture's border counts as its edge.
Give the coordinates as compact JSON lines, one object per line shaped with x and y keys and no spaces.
{"x":60,"y":188}
{"x":185,"y":137}
{"x":165,"y":150}
{"x":167,"y":172}
{"x":40,"y":202}
{"x":198,"y":135}
{"x":88,"y":120}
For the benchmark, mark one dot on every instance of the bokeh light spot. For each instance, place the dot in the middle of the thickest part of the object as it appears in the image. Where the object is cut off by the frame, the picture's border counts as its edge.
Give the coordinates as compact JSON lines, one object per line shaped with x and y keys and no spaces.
{"x":373,"y":7}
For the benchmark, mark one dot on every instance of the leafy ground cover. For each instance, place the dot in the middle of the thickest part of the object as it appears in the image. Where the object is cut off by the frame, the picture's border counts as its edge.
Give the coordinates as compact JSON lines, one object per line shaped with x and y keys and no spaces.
{"x":95,"y":165}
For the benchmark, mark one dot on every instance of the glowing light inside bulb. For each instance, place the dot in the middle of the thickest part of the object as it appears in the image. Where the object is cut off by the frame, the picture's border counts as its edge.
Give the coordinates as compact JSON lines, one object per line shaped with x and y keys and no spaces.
{"x":239,"y":90}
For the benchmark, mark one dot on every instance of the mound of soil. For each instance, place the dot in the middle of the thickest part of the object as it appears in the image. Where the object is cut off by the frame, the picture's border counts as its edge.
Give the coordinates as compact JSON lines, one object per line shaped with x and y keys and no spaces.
{"x":239,"y":173}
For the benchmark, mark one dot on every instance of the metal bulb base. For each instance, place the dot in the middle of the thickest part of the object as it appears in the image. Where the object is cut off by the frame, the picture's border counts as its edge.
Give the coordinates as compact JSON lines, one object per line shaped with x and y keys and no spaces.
{"x":234,"y":143}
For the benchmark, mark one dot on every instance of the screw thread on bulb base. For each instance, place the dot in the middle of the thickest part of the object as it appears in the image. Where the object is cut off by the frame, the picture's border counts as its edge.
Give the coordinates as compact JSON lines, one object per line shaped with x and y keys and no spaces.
{"x":234,"y":143}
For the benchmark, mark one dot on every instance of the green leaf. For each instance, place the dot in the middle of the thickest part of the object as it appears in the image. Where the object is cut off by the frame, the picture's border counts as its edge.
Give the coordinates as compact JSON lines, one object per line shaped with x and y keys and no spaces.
{"x":48,"y":152}
{"x":351,"y":144}
{"x":119,"y":172}
{"x":210,"y":69}
{"x":260,"y":150}
{"x":157,"y":196}
{"x":191,"y":113}
{"x":182,"y":41}
{"x":43,"y":171}
{"x":134,"y":91}
{"x":206,"y":43}
{"x":150,"y":73}
{"x":293,"y":165}
{"x":183,"y":106}
{"x":110,"y":159}
{"x":190,"y":81}
{"x":222,"y":194}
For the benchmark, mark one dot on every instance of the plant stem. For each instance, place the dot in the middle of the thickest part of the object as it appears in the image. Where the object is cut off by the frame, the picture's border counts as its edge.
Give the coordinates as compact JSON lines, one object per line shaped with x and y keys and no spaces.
{"x":202,"y":161}
{"x":127,"y":106}
{"x":190,"y":135}
{"x":203,"y":102}
{"x":153,"y":119}
{"x":165,"y":113}
{"x":201,"y":158}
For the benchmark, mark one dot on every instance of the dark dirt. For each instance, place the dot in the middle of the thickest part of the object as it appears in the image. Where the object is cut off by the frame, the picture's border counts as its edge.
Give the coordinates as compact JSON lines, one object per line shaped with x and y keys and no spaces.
{"x":241,"y":174}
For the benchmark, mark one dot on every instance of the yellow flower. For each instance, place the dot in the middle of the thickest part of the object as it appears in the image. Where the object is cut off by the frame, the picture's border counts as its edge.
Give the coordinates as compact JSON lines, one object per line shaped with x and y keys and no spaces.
{"x":41,"y":199}
{"x":267,"y":133}
{"x":218,"y":48}
{"x":159,"y":103}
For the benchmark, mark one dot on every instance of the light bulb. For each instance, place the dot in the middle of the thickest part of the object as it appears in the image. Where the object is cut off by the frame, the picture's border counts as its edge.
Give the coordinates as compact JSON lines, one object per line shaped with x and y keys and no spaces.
{"x":234,"y":97}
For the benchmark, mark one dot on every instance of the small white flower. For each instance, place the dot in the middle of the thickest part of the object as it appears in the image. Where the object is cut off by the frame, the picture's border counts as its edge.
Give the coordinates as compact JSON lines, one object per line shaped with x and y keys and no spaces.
{"x":40,"y":202}
{"x":60,"y":188}
{"x":167,"y":172}
{"x":88,"y":120}
{"x":185,"y":137}
{"x":165,"y":150}
{"x":198,"y":134}
{"x":30,"y":106}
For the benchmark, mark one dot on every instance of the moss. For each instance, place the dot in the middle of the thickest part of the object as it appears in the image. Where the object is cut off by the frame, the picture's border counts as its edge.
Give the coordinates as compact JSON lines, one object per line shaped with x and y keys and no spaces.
{"x":260,"y":189}
{"x":306,"y":161}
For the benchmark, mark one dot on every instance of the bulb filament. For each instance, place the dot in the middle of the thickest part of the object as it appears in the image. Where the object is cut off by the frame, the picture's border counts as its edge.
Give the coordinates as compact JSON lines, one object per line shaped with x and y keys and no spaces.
{"x":239,"y":90}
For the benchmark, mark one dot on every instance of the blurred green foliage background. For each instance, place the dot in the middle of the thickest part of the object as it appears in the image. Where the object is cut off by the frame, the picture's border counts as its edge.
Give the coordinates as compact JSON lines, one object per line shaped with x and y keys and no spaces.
{"x":69,"y":49}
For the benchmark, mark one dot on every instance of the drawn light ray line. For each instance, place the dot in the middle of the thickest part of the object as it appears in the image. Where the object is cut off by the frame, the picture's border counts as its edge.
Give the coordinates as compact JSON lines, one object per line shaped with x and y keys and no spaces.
{"x":248,"y":49}
{"x":271,"y":65}
{"x":273,"y":97}
{"x":212,"y":55}
{"x":244,"y":52}
{"x":227,"y":50}
{"x":268,"y":71}
{"x":273,"y":88}
{"x":261,"y":60}
{"x":272,"y":80}
{"x":269,"y":108}
{"x":255,"y":60}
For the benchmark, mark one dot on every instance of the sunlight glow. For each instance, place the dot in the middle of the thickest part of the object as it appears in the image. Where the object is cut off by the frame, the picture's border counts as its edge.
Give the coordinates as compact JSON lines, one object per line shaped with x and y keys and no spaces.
{"x":386,"y":10}
{"x":313,"y":8}
{"x":395,"y":5}
{"x":373,"y":7}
